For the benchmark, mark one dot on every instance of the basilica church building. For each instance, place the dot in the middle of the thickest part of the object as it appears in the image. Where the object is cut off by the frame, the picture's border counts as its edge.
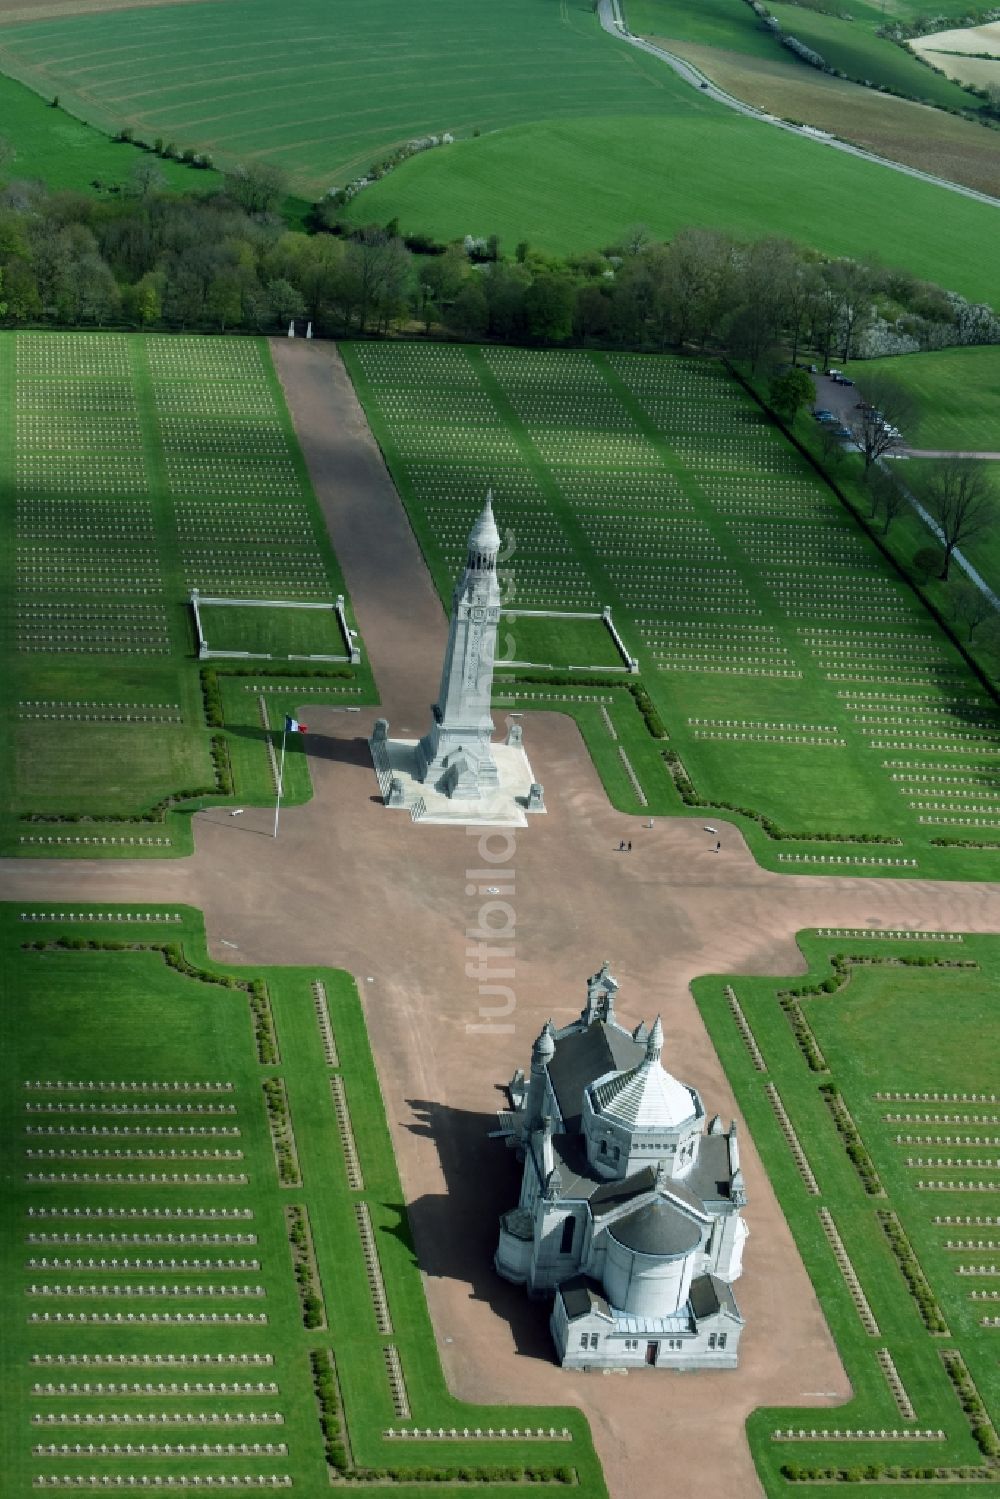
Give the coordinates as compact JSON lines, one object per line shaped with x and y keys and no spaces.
{"x":629,"y":1216}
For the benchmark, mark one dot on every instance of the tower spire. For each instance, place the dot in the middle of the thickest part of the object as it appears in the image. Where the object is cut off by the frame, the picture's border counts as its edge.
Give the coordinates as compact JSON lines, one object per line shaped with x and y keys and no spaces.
{"x":484,"y":539}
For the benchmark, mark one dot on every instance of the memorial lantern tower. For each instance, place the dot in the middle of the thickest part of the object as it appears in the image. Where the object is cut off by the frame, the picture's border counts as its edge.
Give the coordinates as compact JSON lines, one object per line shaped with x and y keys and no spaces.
{"x":455,"y":755}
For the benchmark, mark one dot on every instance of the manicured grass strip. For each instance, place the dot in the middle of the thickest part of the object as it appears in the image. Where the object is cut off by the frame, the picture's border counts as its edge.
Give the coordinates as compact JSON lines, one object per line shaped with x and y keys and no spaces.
{"x":102,"y":1014}
{"x":860,"y":1285}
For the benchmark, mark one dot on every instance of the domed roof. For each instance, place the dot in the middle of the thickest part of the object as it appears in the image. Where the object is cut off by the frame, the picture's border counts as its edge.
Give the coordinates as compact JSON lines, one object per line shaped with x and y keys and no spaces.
{"x":659,"y":1228}
{"x":484,"y":536}
{"x":645,"y":1097}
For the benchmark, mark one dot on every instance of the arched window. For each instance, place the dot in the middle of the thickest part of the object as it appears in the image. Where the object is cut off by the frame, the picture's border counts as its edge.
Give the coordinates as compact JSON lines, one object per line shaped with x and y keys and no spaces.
{"x":568,"y":1235}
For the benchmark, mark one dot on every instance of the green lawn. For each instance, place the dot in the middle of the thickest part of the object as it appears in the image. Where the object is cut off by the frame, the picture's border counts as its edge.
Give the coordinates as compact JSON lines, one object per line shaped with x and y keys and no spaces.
{"x":272,"y":632}
{"x":103,"y":1015}
{"x":557,"y":642}
{"x":957,"y":393}
{"x":696,"y":163}
{"x":65,"y":153}
{"x":948,"y":1015}
{"x":132,"y":469}
{"x":796,"y":675}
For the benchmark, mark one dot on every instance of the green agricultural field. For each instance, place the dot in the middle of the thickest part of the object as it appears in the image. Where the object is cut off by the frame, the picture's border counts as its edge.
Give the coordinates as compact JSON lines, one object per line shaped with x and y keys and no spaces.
{"x":323,"y":95}
{"x":551,"y":94}
{"x":171,"y":1244}
{"x":727,"y":42}
{"x":847,"y":40}
{"x":854,"y":49}
{"x":701,"y":164}
{"x":923,"y":1123}
{"x":133,"y":469}
{"x":52,"y":146}
{"x":796,"y":674}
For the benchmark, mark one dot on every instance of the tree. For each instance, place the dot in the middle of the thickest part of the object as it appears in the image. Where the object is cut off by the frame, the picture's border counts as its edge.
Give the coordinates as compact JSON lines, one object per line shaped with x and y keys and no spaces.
{"x":145,"y":178}
{"x":887,"y":407}
{"x":145,"y":300}
{"x":886,"y":495}
{"x":959,"y":496}
{"x":789,"y":391}
{"x":286,"y":300}
{"x":257,"y":186}
{"x":548,"y":307}
{"x":970,"y":605}
{"x":851,"y":286}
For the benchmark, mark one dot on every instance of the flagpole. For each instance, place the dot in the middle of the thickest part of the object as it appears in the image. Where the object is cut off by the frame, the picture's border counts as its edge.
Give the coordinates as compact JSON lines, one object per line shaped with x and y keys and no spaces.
{"x":281,"y":778}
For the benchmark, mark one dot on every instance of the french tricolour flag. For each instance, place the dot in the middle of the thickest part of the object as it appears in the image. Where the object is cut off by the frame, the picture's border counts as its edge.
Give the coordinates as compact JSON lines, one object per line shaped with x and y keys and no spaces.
{"x":292,"y":726}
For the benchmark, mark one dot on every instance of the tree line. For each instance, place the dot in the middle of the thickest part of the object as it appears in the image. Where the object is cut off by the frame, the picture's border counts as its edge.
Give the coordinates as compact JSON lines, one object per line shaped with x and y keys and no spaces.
{"x":226,"y":260}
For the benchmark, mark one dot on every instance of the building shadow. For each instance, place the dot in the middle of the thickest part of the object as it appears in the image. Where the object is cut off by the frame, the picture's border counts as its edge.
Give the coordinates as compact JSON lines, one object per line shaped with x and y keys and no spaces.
{"x":455,"y":1233}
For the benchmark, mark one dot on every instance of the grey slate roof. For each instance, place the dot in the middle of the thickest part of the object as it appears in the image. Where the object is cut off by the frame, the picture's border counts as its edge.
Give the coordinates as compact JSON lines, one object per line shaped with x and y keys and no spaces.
{"x":710,"y":1177}
{"x":614,"y":1194}
{"x":581,"y":1296}
{"x":710,"y":1295}
{"x":659,"y":1228}
{"x":587,"y":1055}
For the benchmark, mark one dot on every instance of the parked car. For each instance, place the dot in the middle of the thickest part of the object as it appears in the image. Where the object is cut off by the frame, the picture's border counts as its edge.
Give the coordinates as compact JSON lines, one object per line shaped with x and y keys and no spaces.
{"x":844,"y":432}
{"x":822,"y":415}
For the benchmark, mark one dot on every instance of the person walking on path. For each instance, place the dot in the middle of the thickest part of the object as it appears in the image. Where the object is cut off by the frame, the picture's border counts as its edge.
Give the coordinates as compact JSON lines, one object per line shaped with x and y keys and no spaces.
{"x":718,"y":847}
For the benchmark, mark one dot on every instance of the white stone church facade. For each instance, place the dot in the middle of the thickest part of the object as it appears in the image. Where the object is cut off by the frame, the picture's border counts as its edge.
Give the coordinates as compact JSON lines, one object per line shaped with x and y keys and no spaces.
{"x":630,"y":1209}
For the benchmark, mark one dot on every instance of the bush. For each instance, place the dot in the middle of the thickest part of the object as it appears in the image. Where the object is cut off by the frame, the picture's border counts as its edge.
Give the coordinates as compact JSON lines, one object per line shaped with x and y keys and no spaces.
{"x":927,"y":563}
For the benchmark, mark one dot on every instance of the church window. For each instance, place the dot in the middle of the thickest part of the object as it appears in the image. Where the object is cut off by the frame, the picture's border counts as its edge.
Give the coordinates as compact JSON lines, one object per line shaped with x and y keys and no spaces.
{"x":722,"y":1340}
{"x":568,"y":1235}
{"x":711,"y":1340}
{"x":617,"y":1154}
{"x":604,"y":1147}
{"x":583,"y":1341}
{"x":594,"y":1340}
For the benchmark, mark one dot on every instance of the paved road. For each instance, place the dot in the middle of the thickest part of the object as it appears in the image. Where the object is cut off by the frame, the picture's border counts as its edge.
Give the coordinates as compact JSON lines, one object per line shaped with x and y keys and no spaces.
{"x":949,"y":453}
{"x":353,"y":885}
{"x":613,"y":22}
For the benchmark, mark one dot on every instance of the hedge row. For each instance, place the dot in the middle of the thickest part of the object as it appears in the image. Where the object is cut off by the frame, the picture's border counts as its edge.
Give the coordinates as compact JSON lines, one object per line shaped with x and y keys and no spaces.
{"x":211,"y":691}
{"x":325,"y":1386}
{"x":802,"y":1032}
{"x":300,"y":1242}
{"x":914,"y":1276}
{"x":963,"y":843}
{"x":264,"y":1035}
{"x":856,"y":1149}
{"x":983,"y":1432}
{"x":842,"y":963}
{"x":890,"y":1472}
{"x":654,"y":723}
{"x":280,"y":1123}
